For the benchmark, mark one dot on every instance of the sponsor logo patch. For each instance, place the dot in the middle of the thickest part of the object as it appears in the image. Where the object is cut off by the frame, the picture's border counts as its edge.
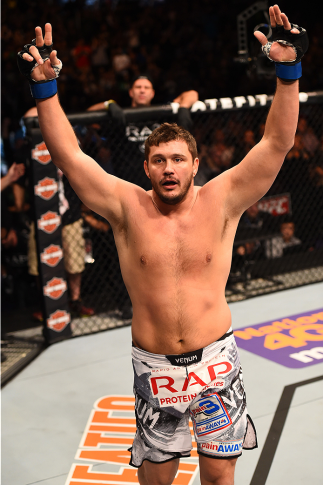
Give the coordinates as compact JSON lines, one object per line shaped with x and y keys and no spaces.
{"x":209,"y":415}
{"x":58,"y":320}
{"x":221,"y":448}
{"x":55,"y":288}
{"x":41,"y":154}
{"x":178,"y":386}
{"x":52,"y":255}
{"x":186,"y":359}
{"x":49,"y":222}
{"x":46,"y":188}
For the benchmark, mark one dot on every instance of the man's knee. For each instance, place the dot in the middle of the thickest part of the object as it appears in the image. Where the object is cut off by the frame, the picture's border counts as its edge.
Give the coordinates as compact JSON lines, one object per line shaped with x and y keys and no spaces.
{"x":217,"y":471}
{"x":157,"y":473}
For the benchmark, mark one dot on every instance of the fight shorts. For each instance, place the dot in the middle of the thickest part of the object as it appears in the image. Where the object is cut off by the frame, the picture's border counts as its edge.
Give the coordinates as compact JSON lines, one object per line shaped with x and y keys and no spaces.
{"x":205,"y":385}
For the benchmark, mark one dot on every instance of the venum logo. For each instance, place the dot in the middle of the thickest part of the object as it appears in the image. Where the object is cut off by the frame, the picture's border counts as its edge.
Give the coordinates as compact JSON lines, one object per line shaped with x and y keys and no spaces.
{"x":41,"y":154}
{"x":46,"y":188}
{"x":55,"y":288}
{"x":52,"y":255}
{"x":49,"y":222}
{"x":58,"y":320}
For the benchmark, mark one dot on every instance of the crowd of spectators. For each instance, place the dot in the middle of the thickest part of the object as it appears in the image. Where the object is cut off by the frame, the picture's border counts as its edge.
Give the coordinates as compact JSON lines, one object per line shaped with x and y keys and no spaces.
{"x":103,"y":44}
{"x":224,"y":144}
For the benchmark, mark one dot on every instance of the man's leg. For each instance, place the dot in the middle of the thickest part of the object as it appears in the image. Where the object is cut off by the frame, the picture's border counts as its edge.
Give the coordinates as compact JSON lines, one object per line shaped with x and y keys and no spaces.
{"x":158,"y":473}
{"x":215,"y":471}
{"x":74,"y":283}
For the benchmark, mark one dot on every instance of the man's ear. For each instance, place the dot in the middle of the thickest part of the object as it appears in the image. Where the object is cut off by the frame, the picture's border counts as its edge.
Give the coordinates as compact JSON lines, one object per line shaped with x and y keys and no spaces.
{"x":130,"y":92}
{"x":146,"y":168}
{"x":195,"y":166}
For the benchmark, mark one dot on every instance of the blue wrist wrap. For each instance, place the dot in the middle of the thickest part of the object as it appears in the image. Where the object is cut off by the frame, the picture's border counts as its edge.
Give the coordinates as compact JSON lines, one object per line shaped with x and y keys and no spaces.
{"x":44,"y":90}
{"x":288,"y":73}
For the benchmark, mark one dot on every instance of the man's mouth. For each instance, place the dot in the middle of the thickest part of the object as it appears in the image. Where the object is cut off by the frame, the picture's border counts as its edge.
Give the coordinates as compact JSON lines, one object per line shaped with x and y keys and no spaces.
{"x":169,"y":184}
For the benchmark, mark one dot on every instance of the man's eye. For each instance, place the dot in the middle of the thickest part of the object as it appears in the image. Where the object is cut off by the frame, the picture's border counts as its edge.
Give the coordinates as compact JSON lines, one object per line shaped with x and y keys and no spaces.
{"x":178,"y":159}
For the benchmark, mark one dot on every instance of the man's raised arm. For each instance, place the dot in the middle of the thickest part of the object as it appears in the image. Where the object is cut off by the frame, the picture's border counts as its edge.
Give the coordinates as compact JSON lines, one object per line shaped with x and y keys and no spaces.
{"x":98,"y":190}
{"x":251,"y":179}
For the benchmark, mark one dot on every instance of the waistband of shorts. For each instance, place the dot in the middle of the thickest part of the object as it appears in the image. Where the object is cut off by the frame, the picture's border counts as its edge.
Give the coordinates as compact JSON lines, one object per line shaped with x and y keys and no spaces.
{"x":186,"y":358}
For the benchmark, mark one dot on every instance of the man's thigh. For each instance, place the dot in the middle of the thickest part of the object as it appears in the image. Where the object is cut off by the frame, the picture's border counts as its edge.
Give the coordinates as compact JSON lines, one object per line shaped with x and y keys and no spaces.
{"x":217,"y":471}
{"x":158,"y":473}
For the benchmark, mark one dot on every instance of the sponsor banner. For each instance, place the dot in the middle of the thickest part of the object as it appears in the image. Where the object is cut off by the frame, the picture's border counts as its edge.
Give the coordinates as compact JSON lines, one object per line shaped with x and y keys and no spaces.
{"x":58,"y":320}
{"x":41,"y":154}
{"x":46,"y":188}
{"x":108,"y":435}
{"x":52,"y":255}
{"x":234,"y":103}
{"x":49,"y":222}
{"x":48,"y":232}
{"x":55,"y":288}
{"x":295,"y":341}
{"x":209,"y":415}
{"x":276,"y":205}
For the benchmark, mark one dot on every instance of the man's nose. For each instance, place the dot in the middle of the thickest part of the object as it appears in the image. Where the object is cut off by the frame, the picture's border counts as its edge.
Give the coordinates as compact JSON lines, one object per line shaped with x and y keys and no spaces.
{"x":169,"y":167}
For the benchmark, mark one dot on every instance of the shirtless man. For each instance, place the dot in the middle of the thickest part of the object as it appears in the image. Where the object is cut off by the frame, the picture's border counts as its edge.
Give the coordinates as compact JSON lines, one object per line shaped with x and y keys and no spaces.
{"x":175,"y":246}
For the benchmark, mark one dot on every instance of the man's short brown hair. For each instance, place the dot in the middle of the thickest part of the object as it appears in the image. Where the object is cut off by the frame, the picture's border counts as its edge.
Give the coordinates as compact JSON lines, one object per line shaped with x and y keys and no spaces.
{"x":170,"y":132}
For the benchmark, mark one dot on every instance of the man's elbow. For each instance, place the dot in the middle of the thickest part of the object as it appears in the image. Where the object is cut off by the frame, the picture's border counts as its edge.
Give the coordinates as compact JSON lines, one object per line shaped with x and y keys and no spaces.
{"x":281,"y":144}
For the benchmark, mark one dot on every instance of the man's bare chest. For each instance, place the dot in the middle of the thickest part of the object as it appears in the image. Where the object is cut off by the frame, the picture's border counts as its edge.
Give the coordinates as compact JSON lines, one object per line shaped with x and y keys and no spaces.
{"x":180,"y":245}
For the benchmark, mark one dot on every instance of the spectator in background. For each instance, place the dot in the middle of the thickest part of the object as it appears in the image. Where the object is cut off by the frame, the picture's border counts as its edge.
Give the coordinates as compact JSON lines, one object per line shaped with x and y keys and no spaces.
{"x":220,"y":154}
{"x":294,"y":175}
{"x":294,"y":178}
{"x":244,"y":257}
{"x":254,"y":229}
{"x":99,"y":52}
{"x":255,"y":219}
{"x":82,"y":55}
{"x":9,"y":236}
{"x":248,"y":142}
{"x":14,"y":173}
{"x":285,"y":243}
{"x":309,"y":139}
{"x":13,"y":240}
{"x":128,"y":145}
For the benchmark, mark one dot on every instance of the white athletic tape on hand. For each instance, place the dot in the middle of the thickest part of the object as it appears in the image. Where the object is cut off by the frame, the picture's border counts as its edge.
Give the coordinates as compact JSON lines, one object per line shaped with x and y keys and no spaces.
{"x":266,"y":49}
{"x":57,"y":69}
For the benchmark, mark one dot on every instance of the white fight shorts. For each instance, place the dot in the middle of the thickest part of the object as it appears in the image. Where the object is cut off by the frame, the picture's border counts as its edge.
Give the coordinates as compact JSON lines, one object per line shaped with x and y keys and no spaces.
{"x":205,"y":385}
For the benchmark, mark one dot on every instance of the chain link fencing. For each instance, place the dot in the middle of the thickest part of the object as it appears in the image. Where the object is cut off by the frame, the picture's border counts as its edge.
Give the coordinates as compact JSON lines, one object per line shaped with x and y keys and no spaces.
{"x":279,"y":242}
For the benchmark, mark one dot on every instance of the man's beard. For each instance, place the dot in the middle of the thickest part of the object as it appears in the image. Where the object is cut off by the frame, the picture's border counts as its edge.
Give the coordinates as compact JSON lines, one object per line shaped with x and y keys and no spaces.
{"x":171,"y":199}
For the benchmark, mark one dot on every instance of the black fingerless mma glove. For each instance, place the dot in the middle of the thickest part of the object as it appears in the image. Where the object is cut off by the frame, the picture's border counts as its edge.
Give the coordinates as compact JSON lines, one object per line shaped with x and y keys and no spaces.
{"x":288,"y":70}
{"x":299,"y":42}
{"x":39,"y":89}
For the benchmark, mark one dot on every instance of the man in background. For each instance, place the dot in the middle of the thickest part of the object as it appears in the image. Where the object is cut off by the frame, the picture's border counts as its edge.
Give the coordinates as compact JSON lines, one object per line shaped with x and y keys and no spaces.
{"x":127,"y":139}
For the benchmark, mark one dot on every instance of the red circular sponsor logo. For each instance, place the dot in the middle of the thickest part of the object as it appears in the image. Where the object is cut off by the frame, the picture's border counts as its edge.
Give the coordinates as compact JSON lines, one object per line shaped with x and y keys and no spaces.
{"x":55,"y":288}
{"x":49,"y":222}
{"x":52,"y":255}
{"x":46,"y":188}
{"x":41,"y":154}
{"x":58,"y":320}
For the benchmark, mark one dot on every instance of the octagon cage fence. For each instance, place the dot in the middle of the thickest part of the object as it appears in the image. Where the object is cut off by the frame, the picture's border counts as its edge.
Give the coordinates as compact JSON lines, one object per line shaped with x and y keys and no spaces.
{"x":279,"y":242}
